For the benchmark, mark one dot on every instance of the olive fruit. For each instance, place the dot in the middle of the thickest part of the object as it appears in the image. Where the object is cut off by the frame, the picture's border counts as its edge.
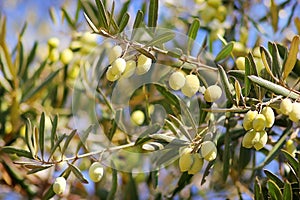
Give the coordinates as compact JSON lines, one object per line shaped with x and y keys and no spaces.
{"x":186,"y":159}
{"x":191,"y":85}
{"x":248,"y":119}
{"x":59,"y":185}
{"x":96,"y":172}
{"x":66,"y":56}
{"x":212,"y":93}
{"x":259,"y":123}
{"x":286,"y":106}
{"x":177,"y":80}
{"x":269,"y":115}
{"x":137,"y":117}
{"x":114,"y":53}
{"x":143,"y":64}
{"x":208,"y":150}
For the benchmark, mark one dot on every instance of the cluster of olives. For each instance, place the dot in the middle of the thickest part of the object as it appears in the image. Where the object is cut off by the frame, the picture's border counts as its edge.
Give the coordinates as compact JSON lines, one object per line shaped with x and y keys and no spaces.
{"x":65,"y":56}
{"x":121,"y":68}
{"x":287,"y":107}
{"x":240,"y":61}
{"x":255,"y":123}
{"x":213,"y":9}
{"x":96,"y":172}
{"x":190,"y":85}
{"x":193,"y":162}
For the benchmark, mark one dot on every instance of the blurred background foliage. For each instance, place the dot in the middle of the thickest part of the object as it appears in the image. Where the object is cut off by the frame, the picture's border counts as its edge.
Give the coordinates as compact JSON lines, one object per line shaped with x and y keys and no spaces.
{"x":37,"y":83}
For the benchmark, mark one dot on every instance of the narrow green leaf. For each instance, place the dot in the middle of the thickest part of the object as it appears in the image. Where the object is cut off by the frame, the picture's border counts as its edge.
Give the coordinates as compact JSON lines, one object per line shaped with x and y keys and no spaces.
{"x":53,"y":130}
{"x":145,"y":135}
{"x":277,"y":89}
{"x":56,"y":145}
{"x":38,"y":169}
{"x":274,"y":178}
{"x":276,"y":67}
{"x":287,"y":192}
{"x":171,"y":98}
{"x":181,"y":127}
{"x":30,"y":58}
{"x":167,"y":156}
{"x":154,"y":178}
{"x":68,"y":18}
{"x":41,"y":86}
{"x":274,"y":15}
{"x":146,"y":53}
{"x":28,"y":135}
{"x":90,"y":23}
{"x":226,"y":155}
{"x":244,"y":158}
{"x":192,"y":34}
{"x":278,"y":144}
{"x":138,"y":19}
{"x":171,"y":127}
{"x":68,"y":140}
{"x":20,"y":55}
{"x":257,"y":190}
{"x":274,"y":191}
{"x":124,"y":21}
{"x":224,"y":52}
{"x":161,"y":39}
{"x":292,"y":57}
{"x":291,"y":160}
{"x":84,"y":137}
{"x":184,"y":179}
{"x":225,"y":83}
{"x":186,"y":112}
{"x":176,"y":52}
{"x":207,"y":171}
{"x":267,"y":59}
{"x":113,"y":190}
{"x":5,"y":84}
{"x":18,"y":152}
{"x":123,"y":12}
{"x":153,"y":14}
{"x":112,"y":21}
{"x":102,"y":14}
{"x":77,"y":173}
{"x":42,"y":134}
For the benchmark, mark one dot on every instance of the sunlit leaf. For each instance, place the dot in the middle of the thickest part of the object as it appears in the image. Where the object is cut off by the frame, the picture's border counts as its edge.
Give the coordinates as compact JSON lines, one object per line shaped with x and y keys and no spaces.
{"x":257,"y":190}
{"x":77,"y":173}
{"x":123,"y":12}
{"x":292,"y":57}
{"x":192,"y":34}
{"x":225,"y":83}
{"x":153,"y":13}
{"x":287,"y":192}
{"x":102,"y":14}
{"x":276,"y":148}
{"x":224,"y":52}
{"x":274,"y":178}
{"x":56,"y":145}
{"x":274,"y":15}
{"x":138,"y":19}
{"x":68,"y":140}
{"x":277,"y":89}
{"x":18,"y":152}
{"x":291,"y":160}
{"x":124,"y":21}
{"x":274,"y":190}
{"x":161,"y":39}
